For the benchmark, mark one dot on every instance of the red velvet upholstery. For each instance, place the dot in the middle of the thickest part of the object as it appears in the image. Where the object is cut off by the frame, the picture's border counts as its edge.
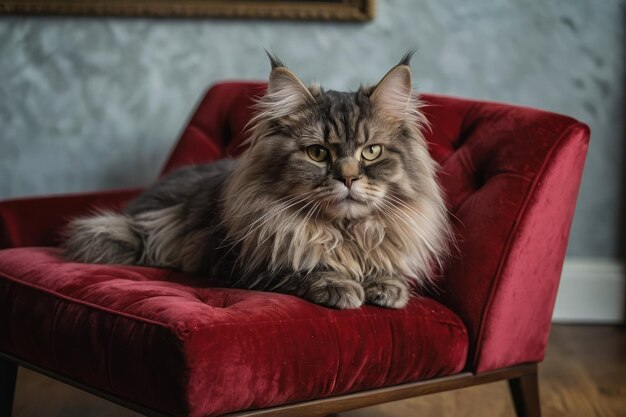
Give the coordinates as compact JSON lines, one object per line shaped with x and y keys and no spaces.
{"x":512,"y":177}
{"x":36,"y":221}
{"x":177,"y":345}
{"x":157,"y":338}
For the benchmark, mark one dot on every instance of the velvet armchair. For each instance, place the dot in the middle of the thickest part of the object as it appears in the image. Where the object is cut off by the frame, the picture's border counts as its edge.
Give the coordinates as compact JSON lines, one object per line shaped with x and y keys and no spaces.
{"x":163,"y":343}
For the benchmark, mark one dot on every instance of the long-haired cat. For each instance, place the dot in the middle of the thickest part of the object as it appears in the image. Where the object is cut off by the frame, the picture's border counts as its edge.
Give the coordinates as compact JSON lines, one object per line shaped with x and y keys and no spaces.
{"x":335,"y":201}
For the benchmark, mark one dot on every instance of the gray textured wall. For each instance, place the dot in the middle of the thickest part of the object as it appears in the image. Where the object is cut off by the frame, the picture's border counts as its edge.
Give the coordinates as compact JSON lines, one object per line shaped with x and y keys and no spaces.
{"x":91,"y":104}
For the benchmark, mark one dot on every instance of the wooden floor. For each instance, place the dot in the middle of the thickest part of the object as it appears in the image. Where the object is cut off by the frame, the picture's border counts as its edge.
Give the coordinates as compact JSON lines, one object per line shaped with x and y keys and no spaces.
{"x":584,"y":375}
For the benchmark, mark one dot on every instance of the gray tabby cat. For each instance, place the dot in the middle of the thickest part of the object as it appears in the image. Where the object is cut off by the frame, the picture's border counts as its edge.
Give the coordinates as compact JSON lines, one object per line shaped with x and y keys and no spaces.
{"x":335,"y":201}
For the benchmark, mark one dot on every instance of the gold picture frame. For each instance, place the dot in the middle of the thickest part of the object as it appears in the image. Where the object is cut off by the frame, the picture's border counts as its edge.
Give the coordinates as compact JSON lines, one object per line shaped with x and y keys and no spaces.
{"x":342,"y":10}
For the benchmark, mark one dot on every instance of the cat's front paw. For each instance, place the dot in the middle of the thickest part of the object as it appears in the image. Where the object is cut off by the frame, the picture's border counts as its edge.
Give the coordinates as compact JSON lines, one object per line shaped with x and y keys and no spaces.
{"x":390,"y":293}
{"x":333,"y":290}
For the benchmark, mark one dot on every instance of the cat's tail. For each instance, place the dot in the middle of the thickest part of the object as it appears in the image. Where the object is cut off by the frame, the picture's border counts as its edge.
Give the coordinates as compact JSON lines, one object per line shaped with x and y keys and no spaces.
{"x":103,"y":238}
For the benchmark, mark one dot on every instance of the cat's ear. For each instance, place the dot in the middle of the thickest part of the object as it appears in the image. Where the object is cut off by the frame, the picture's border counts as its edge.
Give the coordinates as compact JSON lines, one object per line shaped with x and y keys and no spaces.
{"x":285,"y":88}
{"x":393,"y":94}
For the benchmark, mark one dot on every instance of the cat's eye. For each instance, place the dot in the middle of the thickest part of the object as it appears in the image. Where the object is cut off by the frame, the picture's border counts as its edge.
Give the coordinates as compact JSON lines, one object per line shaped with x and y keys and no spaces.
{"x":372,"y":152}
{"x":317,"y":153}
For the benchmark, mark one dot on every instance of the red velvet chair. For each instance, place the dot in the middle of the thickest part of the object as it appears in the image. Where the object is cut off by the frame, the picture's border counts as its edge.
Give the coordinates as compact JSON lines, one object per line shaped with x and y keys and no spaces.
{"x":163,"y":343}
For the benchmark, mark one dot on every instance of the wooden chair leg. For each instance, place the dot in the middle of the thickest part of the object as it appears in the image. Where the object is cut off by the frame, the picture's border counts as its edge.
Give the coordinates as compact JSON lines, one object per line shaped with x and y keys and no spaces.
{"x":525,"y":393}
{"x":8,"y":376}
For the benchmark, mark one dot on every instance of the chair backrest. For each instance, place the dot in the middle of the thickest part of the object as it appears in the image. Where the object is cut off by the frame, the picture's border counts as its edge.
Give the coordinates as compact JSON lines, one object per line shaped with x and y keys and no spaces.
{"x":511,"y":176}
{"x":218,"y":127}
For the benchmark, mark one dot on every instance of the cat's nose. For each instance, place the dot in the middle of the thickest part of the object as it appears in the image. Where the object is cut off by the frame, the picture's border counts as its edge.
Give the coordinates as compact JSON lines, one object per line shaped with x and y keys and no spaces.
{"x":348,"y":180}
{"x":346,"y":170}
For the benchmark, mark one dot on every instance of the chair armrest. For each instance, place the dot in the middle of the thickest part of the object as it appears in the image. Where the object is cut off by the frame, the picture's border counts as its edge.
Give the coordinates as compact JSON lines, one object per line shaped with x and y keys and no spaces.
{"x":37,"y":221}
{"x":512,"y":176}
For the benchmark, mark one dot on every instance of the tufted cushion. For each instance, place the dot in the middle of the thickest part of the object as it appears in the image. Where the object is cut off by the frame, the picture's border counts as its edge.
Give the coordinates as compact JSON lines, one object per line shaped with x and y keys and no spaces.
{"x":179,"y":346}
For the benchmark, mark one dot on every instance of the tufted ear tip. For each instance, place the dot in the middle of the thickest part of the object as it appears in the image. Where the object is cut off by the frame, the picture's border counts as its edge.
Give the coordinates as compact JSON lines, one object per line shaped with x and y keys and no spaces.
{"x":275,"y":61}
{"x":406,"y":59}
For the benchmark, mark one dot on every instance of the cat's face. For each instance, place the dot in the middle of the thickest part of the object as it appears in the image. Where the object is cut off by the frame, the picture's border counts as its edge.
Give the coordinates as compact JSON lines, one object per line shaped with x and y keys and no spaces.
{"x":340,"y":155}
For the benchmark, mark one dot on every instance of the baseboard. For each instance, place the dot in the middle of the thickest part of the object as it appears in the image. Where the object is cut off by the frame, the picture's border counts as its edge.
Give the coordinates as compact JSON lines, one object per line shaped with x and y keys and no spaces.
{"x":591,"y":291}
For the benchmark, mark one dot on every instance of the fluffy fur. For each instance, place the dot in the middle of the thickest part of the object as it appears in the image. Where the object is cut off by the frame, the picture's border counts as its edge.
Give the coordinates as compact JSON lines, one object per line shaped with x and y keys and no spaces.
{"x":349,"y":228}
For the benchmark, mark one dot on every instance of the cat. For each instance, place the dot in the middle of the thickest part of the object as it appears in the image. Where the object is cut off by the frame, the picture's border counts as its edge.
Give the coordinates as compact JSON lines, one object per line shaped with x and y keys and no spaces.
{"x":335,"y":201}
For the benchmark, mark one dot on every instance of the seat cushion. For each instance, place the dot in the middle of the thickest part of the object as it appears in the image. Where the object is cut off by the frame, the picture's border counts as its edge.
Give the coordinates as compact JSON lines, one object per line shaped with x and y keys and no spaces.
{"x":175,"y":344}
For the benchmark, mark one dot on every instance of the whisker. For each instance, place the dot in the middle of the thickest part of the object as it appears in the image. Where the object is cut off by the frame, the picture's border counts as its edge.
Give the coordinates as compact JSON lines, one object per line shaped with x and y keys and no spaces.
{"x":270,"y":213}
{"x":283,"y":200}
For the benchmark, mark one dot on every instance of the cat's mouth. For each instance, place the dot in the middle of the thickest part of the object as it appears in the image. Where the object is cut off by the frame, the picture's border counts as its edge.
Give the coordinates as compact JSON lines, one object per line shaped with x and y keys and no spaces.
{"x":347,"y":204}
{"x":352,"y":198}
{"x":350,"y":202}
